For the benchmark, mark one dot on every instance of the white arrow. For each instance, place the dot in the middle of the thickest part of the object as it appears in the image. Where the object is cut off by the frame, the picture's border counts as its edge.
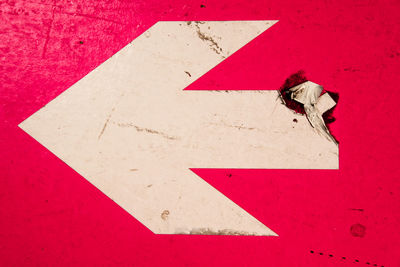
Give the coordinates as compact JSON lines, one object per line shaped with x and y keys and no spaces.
{"x":130,"y":129}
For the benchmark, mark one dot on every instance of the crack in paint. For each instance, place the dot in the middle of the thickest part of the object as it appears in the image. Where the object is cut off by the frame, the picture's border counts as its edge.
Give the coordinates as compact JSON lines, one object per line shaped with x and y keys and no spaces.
{"x":147,"y":130}
{"x":105,"y":124}
{"x":239,"y":127}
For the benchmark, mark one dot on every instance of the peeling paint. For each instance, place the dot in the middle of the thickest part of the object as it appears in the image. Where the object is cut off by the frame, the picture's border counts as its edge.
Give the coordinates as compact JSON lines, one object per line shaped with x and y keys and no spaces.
{"x":209,"y":231}
{"x":308,"y":98}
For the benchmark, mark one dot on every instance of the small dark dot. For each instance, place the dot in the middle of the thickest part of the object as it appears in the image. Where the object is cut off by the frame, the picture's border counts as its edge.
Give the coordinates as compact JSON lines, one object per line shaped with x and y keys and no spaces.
{"x":375,"y":264}
{"x":311,"y":251}
{"x":356,"y":260}
{"x":81,"y":42}
{"x":344,"y":258}
{"x":294,"y":120}
{"x":202,"y":6}
{"x":321,"y":253}
{"x":367,"y":263}
{"x":230,"y":175}
{"x":330,"y":255}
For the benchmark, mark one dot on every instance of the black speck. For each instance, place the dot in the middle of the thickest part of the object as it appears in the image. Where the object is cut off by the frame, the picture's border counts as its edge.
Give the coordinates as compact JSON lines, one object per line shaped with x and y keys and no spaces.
{"x":202,"y":6}
{"x":358,"y":210}
{"x":295,"y":120}
{"x":81,"y":42}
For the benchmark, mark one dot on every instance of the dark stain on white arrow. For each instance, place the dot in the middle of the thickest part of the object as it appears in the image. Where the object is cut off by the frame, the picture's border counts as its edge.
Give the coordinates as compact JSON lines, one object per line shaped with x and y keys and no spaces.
{"x":164,"y":215}
{"x":204,"y":37}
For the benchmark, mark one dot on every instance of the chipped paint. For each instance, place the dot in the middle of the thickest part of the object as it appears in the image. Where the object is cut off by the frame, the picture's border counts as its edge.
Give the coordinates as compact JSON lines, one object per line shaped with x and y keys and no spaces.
{"x":309,"y":95}
{"x":209,"y":231}
{"x":207,"y":38}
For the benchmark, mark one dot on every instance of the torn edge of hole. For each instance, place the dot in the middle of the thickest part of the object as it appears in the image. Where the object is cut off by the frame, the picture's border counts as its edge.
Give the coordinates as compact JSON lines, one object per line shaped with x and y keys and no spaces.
{"x":288,"y":100}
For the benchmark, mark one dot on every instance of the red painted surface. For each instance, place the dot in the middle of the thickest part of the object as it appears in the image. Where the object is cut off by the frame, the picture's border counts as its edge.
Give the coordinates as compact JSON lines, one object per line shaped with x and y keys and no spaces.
{"x":50,"y":215}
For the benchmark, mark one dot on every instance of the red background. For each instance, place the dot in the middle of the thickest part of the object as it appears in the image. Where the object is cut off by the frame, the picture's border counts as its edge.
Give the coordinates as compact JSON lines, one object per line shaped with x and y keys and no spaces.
{"x":50,"y":215}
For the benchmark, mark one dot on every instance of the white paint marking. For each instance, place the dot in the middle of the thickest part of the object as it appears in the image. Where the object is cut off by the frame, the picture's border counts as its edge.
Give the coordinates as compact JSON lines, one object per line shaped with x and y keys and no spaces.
{"x":325,"y":103}
{"x":130,"y":129}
